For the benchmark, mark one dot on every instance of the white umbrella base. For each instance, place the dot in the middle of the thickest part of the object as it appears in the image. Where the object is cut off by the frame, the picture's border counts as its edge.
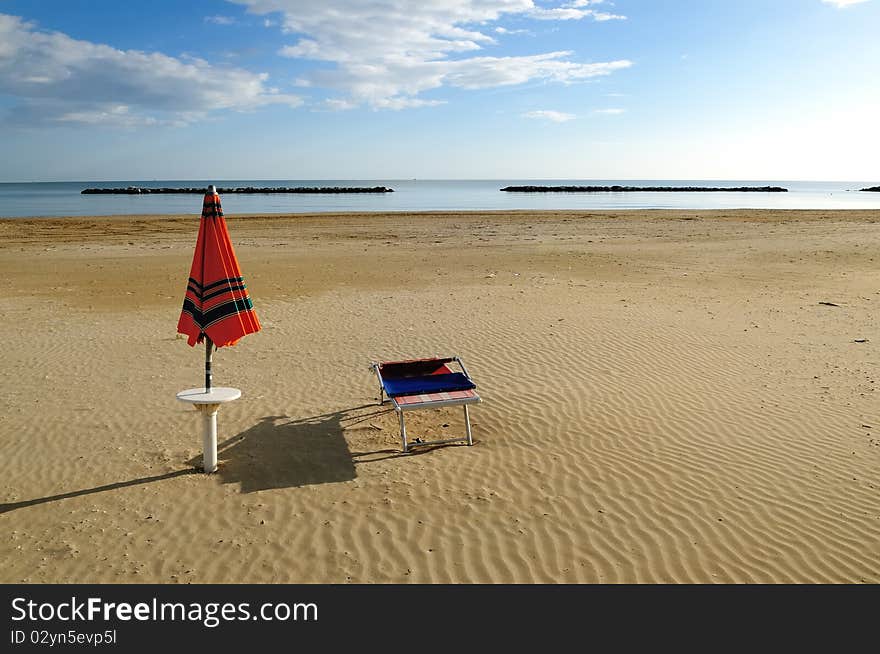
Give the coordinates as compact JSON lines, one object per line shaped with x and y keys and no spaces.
{"x":208,"y":404}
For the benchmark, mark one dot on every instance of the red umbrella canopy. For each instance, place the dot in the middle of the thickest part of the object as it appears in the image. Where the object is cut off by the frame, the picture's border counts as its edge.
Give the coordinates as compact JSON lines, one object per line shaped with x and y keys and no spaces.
{"x":217,"y":304}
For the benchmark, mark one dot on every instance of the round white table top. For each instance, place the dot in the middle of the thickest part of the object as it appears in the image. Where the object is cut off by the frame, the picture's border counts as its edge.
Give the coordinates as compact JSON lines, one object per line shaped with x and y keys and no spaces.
{"x":217,"y":395}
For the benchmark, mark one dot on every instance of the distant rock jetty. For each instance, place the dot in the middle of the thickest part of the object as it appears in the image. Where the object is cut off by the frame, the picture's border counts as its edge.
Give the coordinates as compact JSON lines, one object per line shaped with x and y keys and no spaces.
{"x":142,"y":190}
{"x":873,"y":189}
{"x":654,"y":189}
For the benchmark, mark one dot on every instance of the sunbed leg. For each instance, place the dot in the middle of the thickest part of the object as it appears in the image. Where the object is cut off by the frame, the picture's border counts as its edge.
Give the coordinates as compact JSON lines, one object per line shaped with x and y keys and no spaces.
{"x":467,"y":424}
{"x":403,"y":432}
{"x":375,"y":367}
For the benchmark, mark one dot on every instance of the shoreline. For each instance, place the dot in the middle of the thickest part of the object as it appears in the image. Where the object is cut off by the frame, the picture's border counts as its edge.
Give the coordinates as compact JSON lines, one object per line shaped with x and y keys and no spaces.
{"x":589,"y":213}
{"x":643,"y":189}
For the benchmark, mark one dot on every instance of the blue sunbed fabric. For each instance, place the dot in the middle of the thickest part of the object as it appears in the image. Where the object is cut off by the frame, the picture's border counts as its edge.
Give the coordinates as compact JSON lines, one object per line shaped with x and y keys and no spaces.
{"x":453,"y":381}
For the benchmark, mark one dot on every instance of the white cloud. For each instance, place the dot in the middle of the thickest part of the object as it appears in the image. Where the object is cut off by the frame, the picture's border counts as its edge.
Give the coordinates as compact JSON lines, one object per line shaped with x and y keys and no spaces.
{"x":842,"y":4}
{"x":602,"y":16}
{"x":573,"y":11}
{"x":549,"y":114}
{"x":60,"y":80}
{"x":484,"y":72}
{"x":220,"y":20}
{"x":119,"y":115}
{"x":388,"y":52}
{"x":332,"y":104}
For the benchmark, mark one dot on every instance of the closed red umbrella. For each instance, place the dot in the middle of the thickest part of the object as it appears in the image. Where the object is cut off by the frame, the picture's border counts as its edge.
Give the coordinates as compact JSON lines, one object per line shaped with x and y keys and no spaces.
{"x":217,"y":308}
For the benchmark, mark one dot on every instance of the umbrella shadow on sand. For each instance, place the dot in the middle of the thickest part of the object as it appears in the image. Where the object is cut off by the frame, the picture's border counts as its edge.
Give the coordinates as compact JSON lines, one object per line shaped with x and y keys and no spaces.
{"x":279,"y":452}
{"x":275,"y":453}
{"x":12,"y":506}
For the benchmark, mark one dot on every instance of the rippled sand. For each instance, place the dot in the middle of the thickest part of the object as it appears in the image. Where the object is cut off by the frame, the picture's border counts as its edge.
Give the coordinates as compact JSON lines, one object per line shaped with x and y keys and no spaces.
{"x":665,"y":400}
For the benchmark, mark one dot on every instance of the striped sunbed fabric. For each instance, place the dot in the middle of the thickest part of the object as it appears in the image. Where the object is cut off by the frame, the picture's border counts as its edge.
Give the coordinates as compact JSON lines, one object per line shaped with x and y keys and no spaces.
{"x":431,"y":398}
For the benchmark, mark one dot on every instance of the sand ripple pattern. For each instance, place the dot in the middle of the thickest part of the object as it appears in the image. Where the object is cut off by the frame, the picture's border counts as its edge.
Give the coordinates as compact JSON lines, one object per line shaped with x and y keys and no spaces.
{"x":621,"y":439}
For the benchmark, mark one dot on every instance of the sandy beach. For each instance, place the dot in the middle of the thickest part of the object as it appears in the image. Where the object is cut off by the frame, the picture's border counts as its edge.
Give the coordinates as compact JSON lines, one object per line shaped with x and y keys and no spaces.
{"x":668,"y":396}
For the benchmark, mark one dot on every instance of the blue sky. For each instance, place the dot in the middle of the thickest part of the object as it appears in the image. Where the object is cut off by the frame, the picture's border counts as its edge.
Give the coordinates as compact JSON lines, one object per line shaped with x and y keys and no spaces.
{"x":454,"y":89}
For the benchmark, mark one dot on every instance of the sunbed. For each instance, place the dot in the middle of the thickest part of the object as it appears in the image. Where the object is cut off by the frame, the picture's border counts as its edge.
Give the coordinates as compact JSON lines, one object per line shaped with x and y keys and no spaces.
{"x":426,"y":384}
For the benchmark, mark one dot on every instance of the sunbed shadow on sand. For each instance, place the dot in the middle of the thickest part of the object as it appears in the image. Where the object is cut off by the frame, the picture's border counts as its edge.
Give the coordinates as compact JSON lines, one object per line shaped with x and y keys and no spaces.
{"x":364,"y":414}
{"x":389,"y":453}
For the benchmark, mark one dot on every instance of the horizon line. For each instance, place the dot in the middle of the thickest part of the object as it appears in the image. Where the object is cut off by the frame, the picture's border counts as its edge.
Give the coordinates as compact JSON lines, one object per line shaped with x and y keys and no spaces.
{"x":435,"y":179}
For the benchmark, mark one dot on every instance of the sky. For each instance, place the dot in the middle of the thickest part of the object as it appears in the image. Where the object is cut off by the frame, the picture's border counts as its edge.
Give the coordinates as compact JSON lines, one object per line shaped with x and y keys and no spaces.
{"x":439,"y":89}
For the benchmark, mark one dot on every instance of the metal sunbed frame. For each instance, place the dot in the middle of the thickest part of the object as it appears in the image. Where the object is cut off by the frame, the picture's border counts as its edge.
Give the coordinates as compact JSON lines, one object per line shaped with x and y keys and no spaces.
{"x":414,"y":402}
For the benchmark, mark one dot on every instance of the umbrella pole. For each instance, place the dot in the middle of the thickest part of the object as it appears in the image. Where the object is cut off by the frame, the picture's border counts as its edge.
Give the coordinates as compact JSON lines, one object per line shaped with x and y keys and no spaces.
{"x":209,"y":352}
{"x":209,"y":416}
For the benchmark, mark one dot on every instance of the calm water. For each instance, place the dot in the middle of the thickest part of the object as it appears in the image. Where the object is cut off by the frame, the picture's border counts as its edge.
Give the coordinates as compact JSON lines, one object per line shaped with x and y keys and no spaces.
{"x":64,"y":198}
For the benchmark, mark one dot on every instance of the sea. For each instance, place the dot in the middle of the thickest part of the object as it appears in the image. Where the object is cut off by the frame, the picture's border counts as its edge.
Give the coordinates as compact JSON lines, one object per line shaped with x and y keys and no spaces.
{"x":65,"y":199}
